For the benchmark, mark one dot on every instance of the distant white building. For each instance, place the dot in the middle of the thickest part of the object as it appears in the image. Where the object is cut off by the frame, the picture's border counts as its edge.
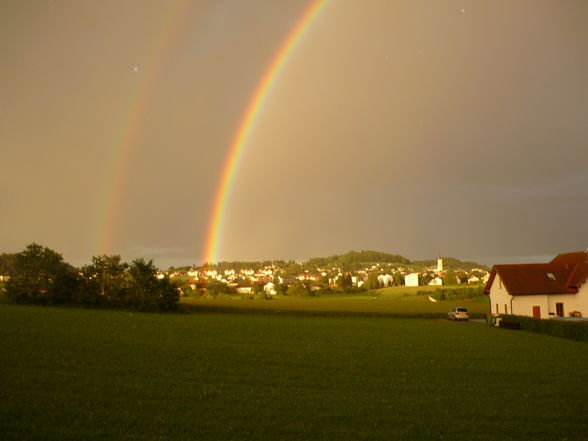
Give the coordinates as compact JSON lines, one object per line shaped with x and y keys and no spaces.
{"x":270,"y":288}
{"x":385,"y":280}
{"x":411,"y":279}
{"x":439,"y":265}
{"x":437,"y":281}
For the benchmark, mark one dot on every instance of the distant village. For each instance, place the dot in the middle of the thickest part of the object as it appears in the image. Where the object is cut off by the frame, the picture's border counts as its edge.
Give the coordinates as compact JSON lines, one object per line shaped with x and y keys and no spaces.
{"x":279,"y":277}
{"x":541,"y":290}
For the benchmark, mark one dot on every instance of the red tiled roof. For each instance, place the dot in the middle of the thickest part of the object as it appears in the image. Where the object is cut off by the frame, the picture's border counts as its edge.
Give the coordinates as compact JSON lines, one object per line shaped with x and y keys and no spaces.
{"x":570,"y":271}
{"x":579,"y":276}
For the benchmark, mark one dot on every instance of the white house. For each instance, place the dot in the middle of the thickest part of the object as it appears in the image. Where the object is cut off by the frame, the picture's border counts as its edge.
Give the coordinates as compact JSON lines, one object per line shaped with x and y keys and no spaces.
{"x":411,"y":279}
{"x":270,"y":289}
{"x":437,"y":281}
{"x":385,"y":280}
{"x":541,"y":290}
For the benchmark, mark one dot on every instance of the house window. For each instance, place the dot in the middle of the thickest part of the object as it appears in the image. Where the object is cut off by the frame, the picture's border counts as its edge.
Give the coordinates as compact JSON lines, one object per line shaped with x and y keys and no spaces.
{"x":559,"y":309}
{"x":500,"y":283}
{"x":550,"y":276}
{"x":505,"y":309}
{"x":497,"y":311}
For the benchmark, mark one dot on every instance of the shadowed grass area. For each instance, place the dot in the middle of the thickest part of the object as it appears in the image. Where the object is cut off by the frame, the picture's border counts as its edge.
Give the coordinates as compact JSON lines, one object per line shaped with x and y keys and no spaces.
{"x":71,"y":374}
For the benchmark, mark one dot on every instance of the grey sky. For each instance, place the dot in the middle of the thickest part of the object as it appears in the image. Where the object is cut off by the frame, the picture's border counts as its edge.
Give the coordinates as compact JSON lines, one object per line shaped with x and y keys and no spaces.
{"x":409,"y":127}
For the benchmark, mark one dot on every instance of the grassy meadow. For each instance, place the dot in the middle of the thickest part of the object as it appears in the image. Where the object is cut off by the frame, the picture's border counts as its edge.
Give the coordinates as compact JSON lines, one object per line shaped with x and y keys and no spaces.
{"x":398,"y":301}
{"x":71,"y":374}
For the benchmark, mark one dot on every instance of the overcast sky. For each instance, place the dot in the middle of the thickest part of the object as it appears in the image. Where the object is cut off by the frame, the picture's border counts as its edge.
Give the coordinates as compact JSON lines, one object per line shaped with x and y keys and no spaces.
{"x":424,"y":128}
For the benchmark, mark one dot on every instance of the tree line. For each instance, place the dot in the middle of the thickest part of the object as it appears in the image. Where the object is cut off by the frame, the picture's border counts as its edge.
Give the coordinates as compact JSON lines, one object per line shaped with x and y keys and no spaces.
{"x":350,"y":261}
{"x":356,"y":259}
{"x":454,"y":293}
{"x":39,"y":275}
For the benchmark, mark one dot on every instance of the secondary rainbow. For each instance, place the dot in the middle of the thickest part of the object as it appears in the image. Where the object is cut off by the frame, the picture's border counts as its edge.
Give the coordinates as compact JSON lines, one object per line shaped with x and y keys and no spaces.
{"x":131,"y":123}
{"x":247,"y":124}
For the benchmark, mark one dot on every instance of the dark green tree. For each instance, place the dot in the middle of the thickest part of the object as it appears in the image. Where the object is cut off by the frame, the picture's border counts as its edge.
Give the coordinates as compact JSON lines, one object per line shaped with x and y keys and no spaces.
{"x":449,"y":278}
{"x":372,"y":281}
{"x":7,"y":262}
{"x":298,"y":289}
{"x":142,"y":285}
{"x":281,"y":288}
{"x":215,"y":287}
{"x":462,"y":277}
{"x":41,"y":276}
{"x":257,"y":287}
{"x":344,"y":282}
{"x":168,"y":295}
{"x":104,"y":281}
{"x":424,"y":279}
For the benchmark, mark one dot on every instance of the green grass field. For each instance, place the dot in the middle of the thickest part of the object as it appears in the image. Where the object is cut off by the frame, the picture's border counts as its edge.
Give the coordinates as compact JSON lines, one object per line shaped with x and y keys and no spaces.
{"x":391,"y":302}
{"x":69,"y":374}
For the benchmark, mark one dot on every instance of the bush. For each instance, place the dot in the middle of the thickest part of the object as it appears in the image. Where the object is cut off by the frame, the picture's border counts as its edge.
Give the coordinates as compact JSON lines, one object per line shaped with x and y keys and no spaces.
{"x":509,"y":324}
{"x":570,"y":329}
{"x":40,"y":276}
{"x":456,"y":293}
{"x":298,"y":289}
{"x":167,"y":295}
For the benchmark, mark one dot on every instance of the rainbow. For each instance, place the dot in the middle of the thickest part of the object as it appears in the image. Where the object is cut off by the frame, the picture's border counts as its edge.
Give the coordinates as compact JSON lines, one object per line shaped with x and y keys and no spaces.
{"x":247,"y":124}
{"x":131,"y":123}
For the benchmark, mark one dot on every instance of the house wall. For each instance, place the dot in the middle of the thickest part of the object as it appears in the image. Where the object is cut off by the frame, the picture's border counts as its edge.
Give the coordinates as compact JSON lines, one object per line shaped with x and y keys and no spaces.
{"x":570,"y":303}
{"x":523,"y":305}
{"x":500,"y":299}
{"x":582,"y":300}
{"x":411,"y":279}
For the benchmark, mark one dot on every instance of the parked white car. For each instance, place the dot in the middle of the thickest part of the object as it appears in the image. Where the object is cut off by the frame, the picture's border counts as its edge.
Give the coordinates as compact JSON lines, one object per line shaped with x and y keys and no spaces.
{"x":458,"y":314}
